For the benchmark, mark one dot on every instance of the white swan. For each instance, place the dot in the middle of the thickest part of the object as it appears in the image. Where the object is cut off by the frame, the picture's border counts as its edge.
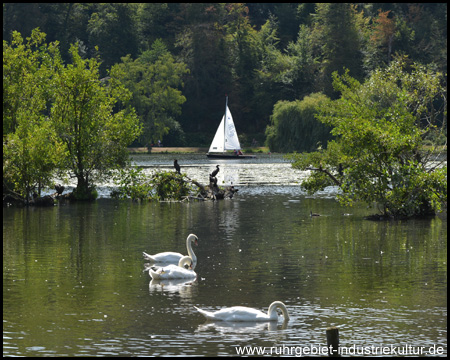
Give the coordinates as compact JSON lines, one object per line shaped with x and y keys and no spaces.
{"x":181,"y":271}
{"x":243,"y":313}
{"x":170,"y":257}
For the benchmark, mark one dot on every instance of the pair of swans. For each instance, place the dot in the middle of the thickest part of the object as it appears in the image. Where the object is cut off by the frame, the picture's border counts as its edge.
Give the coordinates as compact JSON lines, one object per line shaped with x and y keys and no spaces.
{"x":244,"y":313}
{"x":185,"y":264}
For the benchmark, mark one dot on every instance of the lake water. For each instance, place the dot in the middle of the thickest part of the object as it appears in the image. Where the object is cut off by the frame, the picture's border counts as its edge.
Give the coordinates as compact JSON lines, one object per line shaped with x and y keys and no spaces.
{"x":74,"y":285}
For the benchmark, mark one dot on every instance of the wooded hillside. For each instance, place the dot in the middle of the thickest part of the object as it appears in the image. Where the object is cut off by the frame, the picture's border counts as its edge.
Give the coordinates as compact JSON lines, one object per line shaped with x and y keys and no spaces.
{"x":257,"y":53}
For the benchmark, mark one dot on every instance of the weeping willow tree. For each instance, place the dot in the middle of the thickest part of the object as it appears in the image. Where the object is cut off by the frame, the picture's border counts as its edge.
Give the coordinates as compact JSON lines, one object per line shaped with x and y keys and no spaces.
{"x":294,"y":127}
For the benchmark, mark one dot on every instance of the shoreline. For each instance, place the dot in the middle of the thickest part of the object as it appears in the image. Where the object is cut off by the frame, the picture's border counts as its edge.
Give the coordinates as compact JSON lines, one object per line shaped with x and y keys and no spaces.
{"x":165,"y":149}
{"x":184,"y":150}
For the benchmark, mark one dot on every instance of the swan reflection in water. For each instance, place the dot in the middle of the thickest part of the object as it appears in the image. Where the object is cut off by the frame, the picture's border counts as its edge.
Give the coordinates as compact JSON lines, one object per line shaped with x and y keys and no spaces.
{"x":241,"y":327}
{"x":183,"y":287}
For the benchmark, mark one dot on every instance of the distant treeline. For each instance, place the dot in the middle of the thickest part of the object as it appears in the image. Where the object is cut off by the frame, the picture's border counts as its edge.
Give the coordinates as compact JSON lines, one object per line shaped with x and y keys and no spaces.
{"x":257,"y":53}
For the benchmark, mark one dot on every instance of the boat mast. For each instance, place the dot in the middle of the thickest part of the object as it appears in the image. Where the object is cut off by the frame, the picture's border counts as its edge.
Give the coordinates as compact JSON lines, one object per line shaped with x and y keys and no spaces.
{"x":225,"y":123}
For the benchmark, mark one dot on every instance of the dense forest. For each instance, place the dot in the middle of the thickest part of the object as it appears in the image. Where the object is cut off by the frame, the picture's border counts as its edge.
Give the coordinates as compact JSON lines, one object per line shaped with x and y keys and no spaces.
{"x":260,"y":54}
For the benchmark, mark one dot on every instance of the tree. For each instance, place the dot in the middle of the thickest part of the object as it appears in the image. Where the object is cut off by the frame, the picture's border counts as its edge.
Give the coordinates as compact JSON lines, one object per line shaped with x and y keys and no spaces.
{"x":202,"y":44}
{"x":268,"y":87}
{"x":337,"y":42}
{"x":94,"y":136}
{"x":378,"y":154}
{"x":298,"y":79}
{"x":294,"y":127}
{"x":31,"y":148}
{"x":30,"y":156}
{"x":250,"y":55}
{"x":154,"y":79}
{"x":242,"y":51}
{"x":383,"y":33}
{"x":113,"y":31}
{"x":157,"y":21}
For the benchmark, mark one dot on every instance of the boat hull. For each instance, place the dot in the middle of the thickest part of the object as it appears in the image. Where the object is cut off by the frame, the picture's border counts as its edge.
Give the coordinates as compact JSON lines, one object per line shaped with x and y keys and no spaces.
{"x":229,"y":156}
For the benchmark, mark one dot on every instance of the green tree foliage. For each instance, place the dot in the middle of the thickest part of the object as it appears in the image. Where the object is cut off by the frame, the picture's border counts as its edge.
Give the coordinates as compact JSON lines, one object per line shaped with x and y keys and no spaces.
{"x":157,"y":21}
{"x":169,"y":186}
{"x":161,"y":186}
{"x":82,"y":112}
{"x":268,"y":86}
{"x":298,"y":79}
{"x":112,"y":29}
{"x":31,"y":148}
{"x":131,"y":184}
{"x":22,"y":77}
{"x":154,"y":79}
{"x":428,"y":33}
{"x":202,"y":47}
{"x":378,"y":154}
{"x":243,"y":53}
{"x":257,"y":53}
{"x":30,"y":155}
{"x":337,"y":42}
{"x":404,"y":28}
{"x":294,"y":127}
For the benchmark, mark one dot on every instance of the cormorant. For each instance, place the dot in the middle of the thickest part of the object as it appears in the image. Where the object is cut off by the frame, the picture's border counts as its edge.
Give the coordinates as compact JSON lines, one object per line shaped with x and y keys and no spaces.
{"x":213,"y":180}
{"x":177,"y":167}
{"x":214,"y":173}
{"x":59,"y":189}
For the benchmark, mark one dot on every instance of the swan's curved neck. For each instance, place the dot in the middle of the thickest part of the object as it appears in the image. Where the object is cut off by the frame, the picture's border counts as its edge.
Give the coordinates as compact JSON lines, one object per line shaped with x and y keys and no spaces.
{"x":278,"y":305}
{"x":190,"y":251}
{"x":185,"y":260}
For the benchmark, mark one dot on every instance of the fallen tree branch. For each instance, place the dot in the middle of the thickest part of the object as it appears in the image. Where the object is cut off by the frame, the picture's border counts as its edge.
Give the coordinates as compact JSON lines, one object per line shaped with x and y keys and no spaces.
{"x":332,"y":177}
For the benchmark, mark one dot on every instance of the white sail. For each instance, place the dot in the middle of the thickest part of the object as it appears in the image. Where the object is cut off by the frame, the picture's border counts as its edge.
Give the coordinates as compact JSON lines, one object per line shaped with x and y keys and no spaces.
{"x":218,"y":142}
{"x":231,"y":137}
{"x":226,"y":136}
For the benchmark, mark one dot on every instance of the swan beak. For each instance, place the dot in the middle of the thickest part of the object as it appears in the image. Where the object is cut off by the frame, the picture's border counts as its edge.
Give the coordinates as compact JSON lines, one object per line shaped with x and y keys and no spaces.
{"x":196,"y":242}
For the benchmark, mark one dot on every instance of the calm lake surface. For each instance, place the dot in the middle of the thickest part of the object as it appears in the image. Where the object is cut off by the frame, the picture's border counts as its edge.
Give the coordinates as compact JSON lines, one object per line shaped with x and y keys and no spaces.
{"x":74,"y":285}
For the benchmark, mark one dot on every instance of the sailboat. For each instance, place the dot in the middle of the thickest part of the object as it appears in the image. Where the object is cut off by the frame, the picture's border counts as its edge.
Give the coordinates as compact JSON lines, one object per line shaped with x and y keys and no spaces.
{"x":226,"y":139}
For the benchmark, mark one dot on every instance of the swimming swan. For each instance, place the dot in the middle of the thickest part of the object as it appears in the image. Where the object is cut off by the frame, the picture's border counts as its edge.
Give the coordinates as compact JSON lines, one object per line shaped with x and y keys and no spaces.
{"x":181,"y":271}
{"x":243,"y":313}
{"x":170,"y":257}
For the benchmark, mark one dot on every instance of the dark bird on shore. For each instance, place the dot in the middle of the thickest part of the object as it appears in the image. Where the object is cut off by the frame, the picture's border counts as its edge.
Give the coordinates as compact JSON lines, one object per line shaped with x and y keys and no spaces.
{"x":214,"y":173}
{"x":59,"y":189}
{"x":314,"y":214}
{"x":177,"y":167}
